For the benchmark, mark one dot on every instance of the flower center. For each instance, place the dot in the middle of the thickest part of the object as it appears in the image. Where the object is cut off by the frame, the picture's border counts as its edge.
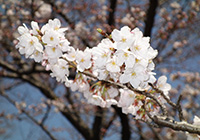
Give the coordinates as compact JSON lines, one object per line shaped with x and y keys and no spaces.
{"x":126,"y":54}
{"x":82,"y":60}
{"x":54,"y":49}
{"x":123,"y":40}
{"x":137,"y":60}
{"x":56,"y":28}
{"x":104,"y":55}
{"x":63,"y":67}
{"x":137,"y":48}
{"x":36,"y":53}
{"x":31,"y":42}
{"x":51,"y":38}
{"x":113,"y":63}
{"x":133,"y":74}
{"x":131,"y":95}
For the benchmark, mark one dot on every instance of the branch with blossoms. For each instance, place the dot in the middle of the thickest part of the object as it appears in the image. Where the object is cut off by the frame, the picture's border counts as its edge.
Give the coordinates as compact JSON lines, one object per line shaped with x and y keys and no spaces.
{"x":118,"y":71}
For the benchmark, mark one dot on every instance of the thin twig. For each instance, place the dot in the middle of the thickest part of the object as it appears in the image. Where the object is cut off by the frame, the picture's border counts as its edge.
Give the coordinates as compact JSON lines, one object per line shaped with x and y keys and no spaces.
{"x":179,"y":108}
{"x":46,"y":114}
{"x":163,"y":95}
{"x":28,"y":115}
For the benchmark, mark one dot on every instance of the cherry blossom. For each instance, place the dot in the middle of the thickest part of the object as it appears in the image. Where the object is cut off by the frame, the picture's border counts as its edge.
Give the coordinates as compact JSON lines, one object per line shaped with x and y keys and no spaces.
{"x":71,"y":55}
{"x":127,"y":97}
{"x":83,"y":60}
{"x":23,"y":29}
{"x":162,"y":85}
{"x":60,"y":70}
{"x":123,"y":38}
{"x":133,"y":75}
{"x":112,"y":65}
{"x":51,"y":37}
{"x":35,"y":28}
{"x":126,"y":58}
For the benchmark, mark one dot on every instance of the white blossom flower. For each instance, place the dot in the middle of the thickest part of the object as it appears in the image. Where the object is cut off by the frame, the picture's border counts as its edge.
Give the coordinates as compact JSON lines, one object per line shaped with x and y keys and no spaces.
{"x":29,"y":44}
{"x":112,"y":92}
{"x":123,"y":38}
{"x":151,"y":53}
{"x":100,"y":56}
{"x":106,"y":44}
{"x":53,"y":25}
{"x":64,"y":45}
{"x":23,"y":29}
{"x":112,"y":65}
{"x":163,"y":85}
{"x":70,"y":55}
{"x":196,"y":121}
{"x":110,"y":102}
{"x":127,"y":98}
{"x":35,"y":28}
{"x":21,"y":48}
{"x":53,"y":52}
{"x":51,"y":38}
{"x":137,"y":33}
{"x":115,"y":76}
{"x":37,"y":56}
{"x":84,"y":86}
{"x":83,"y":60}
{"x":129,"y":109}
{"x":97,"y":100}
{"x":126,"y":57}
{"x":60,"y":70}
{"x":102,"y":74}
{"x":133,"y":75}
{"x":140,"y":47}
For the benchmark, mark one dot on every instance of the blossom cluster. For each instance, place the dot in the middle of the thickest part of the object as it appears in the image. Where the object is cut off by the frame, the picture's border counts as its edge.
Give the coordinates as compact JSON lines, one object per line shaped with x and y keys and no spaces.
{"x":125,"y":58}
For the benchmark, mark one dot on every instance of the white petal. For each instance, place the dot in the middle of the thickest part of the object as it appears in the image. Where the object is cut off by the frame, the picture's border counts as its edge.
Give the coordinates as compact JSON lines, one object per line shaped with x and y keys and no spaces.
{"x":116,"y":35}
{"x":124,"y":78}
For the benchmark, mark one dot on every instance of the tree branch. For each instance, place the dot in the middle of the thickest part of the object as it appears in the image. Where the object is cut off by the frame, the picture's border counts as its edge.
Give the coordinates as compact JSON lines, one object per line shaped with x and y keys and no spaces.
{"x":97,"y":124}
{"x":150,"y":17}
{"x":126,"y":133}
{"x":111,"y":17}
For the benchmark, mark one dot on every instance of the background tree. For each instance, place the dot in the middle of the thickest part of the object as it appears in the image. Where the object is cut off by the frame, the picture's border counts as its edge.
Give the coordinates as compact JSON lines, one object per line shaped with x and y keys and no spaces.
{"x":32,"y":101}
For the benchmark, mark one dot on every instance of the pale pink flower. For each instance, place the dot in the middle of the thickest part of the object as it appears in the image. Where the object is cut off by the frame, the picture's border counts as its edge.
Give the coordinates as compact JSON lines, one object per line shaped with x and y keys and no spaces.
{"x":122,"y":38}
{"x":83,"y":60}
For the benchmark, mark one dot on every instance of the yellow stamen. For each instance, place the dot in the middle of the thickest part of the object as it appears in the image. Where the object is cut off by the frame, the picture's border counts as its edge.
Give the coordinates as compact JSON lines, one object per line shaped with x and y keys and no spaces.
{"x":123,"y":40}
{"x":82,"y":60}
{"x":133,"y":74}
{"x":104,"y":55}
{"x":131,"y":95}
{"x":36,"y":53}
{"x":137,"y":60}
{"x":63,"y":67}
{"x":51,"y":38}
{"x":31,"y":42}
{"x":113,"y":63}
{"x":126,"y":54}
{"x":137,"y":48}
{"x":53,"y":49}
{"x":56,"y":28}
